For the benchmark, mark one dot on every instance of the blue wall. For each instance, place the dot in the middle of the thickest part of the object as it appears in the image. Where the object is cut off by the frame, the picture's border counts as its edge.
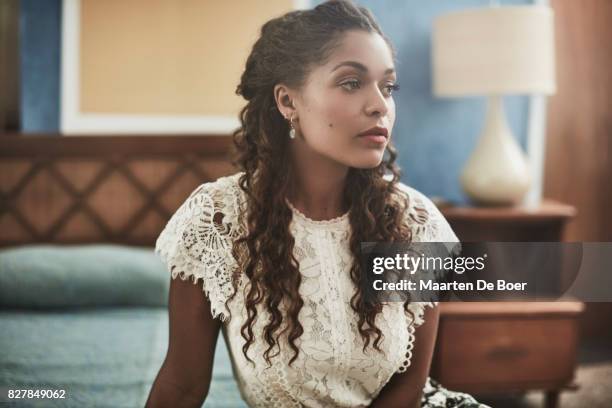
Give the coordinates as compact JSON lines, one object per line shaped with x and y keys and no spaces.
{"x":434,"y":136}
{"x":40,"y":41}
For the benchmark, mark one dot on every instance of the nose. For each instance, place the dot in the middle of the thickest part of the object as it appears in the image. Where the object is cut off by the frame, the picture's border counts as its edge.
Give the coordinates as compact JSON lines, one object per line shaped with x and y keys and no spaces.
{"x":377,"y":103}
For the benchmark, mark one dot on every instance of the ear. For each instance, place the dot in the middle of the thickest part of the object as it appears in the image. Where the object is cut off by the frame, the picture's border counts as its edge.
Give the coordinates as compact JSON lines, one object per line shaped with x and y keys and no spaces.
{"x":283,"y":96}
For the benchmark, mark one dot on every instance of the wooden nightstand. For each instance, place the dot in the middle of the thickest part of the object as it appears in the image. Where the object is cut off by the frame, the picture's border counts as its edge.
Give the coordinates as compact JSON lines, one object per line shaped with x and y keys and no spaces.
{"x":489,"y":347}
{"x":507,"y":224}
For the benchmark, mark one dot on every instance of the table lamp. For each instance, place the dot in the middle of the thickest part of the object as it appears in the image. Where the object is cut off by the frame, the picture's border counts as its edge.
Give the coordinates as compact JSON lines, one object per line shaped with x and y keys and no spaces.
{"x":495,"y":51}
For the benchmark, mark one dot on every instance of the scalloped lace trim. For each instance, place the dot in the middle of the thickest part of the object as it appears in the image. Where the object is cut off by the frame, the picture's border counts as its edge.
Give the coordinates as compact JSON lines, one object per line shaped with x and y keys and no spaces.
{"x":335,"y":222}
{"x":418,"y":310}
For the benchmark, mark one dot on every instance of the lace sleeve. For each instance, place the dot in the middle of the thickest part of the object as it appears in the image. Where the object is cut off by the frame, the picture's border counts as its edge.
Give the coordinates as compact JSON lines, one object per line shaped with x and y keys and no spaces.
{"x":441,"y":229}
{"x":196,"y":243}
{"x":428,"y":225}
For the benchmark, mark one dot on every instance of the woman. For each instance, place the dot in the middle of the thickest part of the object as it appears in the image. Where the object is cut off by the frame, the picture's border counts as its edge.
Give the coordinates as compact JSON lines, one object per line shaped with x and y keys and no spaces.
{"x":274,"y":247}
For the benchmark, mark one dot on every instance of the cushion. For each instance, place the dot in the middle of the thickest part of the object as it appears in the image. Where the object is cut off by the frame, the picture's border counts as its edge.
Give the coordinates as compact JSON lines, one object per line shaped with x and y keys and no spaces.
{"x":44,"y":276}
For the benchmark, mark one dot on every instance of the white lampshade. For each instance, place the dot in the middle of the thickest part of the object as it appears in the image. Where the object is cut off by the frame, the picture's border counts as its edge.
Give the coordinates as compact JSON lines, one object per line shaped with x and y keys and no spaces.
{"x":494,"y":50}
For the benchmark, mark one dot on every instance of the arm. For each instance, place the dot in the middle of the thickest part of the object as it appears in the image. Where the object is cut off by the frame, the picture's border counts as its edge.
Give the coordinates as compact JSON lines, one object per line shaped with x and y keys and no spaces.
{"x":405,"y":389}
{"x":184,"y":378}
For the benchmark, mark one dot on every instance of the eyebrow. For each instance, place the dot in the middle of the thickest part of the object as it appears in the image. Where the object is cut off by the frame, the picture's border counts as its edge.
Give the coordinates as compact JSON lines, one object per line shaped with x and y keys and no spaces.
{"x":360,"y":67}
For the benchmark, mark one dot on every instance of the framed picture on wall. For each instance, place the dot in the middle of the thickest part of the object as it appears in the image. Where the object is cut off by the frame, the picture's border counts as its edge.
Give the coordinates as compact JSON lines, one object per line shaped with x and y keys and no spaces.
{"x":141,"y":66}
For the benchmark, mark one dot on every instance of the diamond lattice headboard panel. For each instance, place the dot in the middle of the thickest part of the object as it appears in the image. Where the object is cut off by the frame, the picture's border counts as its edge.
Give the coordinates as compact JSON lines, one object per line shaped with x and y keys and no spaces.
{"x":103,"y":189}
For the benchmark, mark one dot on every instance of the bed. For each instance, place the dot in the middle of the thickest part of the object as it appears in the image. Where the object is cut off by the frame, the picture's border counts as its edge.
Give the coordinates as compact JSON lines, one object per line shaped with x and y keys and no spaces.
{"x":83,"y":297}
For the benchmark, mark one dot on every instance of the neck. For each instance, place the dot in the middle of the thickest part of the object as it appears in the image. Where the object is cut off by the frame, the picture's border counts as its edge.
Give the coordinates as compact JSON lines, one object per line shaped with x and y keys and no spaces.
{"x":317,"y":186}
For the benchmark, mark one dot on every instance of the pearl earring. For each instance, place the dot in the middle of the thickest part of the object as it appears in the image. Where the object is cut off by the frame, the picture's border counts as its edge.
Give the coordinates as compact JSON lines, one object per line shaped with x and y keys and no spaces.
{"x":292,"y":130}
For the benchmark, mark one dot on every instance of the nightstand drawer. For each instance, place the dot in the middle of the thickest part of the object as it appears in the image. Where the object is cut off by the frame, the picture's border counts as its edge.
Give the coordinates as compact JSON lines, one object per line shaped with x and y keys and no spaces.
{"x":505,"y":350}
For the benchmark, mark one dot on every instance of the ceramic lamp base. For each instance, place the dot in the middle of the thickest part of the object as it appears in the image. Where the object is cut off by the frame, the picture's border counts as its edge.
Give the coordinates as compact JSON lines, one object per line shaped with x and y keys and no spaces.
{"x":497,"y":173}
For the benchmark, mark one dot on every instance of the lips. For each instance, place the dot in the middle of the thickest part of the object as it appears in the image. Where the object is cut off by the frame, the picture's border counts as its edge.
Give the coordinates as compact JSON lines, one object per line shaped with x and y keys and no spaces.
{"x":377,"y":130}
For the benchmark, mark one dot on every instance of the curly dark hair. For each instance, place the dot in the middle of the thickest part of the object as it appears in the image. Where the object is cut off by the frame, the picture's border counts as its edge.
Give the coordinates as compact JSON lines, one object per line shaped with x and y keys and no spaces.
{"x":288,"y":47}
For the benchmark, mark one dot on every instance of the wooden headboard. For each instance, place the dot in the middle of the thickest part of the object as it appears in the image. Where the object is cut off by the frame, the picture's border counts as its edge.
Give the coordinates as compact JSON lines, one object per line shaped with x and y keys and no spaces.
{"x":101,"y":189}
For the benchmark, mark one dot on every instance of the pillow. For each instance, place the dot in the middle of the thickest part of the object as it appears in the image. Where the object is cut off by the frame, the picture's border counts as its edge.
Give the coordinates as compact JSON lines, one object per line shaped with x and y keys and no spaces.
{"x":45,"y":276}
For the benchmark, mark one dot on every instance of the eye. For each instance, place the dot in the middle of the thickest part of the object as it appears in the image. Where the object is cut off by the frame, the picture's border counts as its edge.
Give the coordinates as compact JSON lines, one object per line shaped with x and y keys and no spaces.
{"x":352,"y":82}
{"x":392,"y":87}
{"x":355,"y":84}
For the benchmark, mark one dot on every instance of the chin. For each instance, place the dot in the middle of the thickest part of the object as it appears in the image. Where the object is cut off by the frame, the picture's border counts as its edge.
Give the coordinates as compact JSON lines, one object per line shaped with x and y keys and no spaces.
{"x":369,"y":162}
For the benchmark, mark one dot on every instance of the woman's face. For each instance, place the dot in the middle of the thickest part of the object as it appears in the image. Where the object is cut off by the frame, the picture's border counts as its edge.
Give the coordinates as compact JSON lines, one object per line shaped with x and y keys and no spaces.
{"x":348,"y":95}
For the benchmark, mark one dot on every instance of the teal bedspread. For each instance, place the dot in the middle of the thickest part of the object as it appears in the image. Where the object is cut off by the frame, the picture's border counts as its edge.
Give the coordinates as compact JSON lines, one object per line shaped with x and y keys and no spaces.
{"x":91,"y":320}
{"x":102,"y":358}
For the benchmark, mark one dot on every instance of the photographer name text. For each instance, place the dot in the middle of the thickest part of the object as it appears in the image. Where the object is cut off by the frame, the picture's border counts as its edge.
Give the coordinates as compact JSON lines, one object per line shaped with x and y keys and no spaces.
{"x":500,"y":285}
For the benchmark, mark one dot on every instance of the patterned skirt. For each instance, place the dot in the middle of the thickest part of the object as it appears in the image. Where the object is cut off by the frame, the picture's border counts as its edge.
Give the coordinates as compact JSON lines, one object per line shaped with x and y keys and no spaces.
{"x":436,"y":396}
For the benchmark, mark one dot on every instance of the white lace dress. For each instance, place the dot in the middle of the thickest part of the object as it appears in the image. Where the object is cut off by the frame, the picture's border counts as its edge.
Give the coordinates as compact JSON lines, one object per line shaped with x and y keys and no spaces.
{"x":332,"y":369}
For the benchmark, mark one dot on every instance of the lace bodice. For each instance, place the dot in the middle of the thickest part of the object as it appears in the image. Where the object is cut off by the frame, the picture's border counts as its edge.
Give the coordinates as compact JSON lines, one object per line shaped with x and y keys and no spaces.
{"x":331,"y":369}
